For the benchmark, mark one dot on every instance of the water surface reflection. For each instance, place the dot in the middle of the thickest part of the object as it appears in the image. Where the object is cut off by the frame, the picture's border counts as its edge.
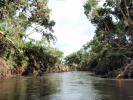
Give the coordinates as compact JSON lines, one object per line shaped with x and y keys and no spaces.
{"x":65,"y":86}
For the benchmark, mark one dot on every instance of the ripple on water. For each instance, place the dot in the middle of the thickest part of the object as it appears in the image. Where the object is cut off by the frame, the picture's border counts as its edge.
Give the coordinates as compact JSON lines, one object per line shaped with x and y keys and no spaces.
{"x":66,"y":86}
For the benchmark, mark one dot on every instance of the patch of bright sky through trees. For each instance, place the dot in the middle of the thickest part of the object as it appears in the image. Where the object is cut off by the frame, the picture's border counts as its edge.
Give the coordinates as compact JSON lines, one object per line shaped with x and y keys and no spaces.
{"x":72,"y":28}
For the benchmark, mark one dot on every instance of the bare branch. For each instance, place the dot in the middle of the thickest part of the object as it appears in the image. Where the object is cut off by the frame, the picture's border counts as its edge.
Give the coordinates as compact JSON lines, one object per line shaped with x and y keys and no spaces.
{"x":125,"y":18}
{"x":127,"y":11}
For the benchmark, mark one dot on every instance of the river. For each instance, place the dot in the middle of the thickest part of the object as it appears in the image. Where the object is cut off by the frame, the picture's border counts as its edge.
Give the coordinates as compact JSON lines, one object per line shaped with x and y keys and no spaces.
{"x":65,"y":86}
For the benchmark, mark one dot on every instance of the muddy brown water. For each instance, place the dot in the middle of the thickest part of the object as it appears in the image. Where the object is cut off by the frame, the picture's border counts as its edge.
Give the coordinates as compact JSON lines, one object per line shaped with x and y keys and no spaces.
{"x":65,"y":86}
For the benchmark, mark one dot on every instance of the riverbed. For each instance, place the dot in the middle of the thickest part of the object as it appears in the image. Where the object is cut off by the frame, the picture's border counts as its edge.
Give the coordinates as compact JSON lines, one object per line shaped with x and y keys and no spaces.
{"x":78,"y":85}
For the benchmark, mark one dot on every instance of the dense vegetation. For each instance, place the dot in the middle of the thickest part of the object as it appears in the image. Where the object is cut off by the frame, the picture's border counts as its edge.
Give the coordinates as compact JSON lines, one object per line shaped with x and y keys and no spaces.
{"x":18,"y":16}
{"x":110,"y":49}
{"x":112,"y":44}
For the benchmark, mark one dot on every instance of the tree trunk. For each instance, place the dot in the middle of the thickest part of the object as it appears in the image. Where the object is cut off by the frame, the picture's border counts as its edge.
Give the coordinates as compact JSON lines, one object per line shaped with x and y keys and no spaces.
{"x":14,"y":45}
{"x":10,"y":54}
{"x":125,"y":18}
{"x":129,"y":19}
{"x":122,"y":75}
{"x":2,"y":33}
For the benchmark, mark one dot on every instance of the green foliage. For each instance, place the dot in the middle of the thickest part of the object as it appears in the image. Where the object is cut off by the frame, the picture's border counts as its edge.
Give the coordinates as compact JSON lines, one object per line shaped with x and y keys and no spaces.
{"x":75,"y":57}
{"x":111,"y":47}
{"x":105,"y":48}
{"x":16,"y":17}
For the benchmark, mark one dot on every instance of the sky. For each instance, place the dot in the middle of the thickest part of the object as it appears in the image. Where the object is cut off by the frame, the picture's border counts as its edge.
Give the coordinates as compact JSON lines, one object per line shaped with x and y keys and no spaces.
{"x":72,"y":27}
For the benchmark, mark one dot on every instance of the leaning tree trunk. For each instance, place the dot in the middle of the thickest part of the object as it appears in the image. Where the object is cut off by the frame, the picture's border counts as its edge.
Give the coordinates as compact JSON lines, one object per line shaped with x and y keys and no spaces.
{"x":122,"y":75}
{"x":129,"y":19}
{"x":2,"y":33}
{"x":9,"y":40}
{"x":125,"y":18}
{"x":14,"y":45}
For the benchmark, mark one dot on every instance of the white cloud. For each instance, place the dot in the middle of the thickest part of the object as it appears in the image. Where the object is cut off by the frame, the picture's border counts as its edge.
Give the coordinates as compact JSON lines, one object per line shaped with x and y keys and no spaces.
{"x":72,"y":28}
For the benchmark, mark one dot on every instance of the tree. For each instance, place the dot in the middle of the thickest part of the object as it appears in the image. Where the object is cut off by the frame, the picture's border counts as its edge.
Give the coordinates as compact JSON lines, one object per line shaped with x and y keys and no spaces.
{"x":21,"y":14}
{"x":75,"y":57}
{"x":111,"y":47}
{"x":16,"y":17}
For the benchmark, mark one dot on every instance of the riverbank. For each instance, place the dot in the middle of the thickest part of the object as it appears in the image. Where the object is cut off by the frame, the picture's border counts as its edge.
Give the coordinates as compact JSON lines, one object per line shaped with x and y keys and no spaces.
{"x":6,"y":70}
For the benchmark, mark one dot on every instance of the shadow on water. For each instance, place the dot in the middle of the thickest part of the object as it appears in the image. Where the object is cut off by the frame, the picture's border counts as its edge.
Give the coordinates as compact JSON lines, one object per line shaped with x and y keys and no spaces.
{"x":115,"y":89}
{"x":29,"y":88}
{"x":65,"y":86}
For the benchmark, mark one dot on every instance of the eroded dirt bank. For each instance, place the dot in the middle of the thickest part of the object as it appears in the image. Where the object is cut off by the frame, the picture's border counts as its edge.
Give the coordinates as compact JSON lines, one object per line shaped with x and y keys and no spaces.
{"x":8,"y":70}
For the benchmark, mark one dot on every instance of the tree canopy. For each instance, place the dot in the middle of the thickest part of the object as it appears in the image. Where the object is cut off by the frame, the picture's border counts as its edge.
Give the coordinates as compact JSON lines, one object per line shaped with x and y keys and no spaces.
{"x":112,"y":44}
{"x":18,"y":16}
